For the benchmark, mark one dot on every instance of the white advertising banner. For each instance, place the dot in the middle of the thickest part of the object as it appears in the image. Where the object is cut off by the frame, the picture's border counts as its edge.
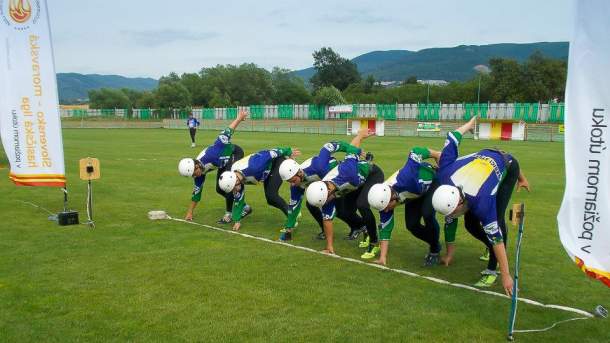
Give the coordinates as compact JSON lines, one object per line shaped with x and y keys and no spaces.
{"x":584,"y":217}
{"x":29,"y":115}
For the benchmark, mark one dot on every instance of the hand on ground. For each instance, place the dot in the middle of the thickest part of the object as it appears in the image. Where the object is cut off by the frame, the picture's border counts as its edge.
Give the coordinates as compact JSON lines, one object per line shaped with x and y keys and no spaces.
{"x":523,"y":184}
{"x":380,"y":262}
{"x":446,"y":260}
{"x":507,"y":283}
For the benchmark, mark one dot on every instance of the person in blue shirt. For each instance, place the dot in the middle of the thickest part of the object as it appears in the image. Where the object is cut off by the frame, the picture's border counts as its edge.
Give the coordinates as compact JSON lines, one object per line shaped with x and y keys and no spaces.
{"x":299,"y":176}
{"x":262,"y":166}
{"x":352,"y":180}
{"x":192,"y":123}
{"x":221,"y":155}
{"x":478,"y":186}
{"x":413,"y":186}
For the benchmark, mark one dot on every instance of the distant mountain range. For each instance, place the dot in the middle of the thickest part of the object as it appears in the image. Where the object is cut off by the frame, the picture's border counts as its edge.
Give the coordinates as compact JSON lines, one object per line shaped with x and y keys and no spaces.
{"x":73,"y":86}
{"x":450,"y":64}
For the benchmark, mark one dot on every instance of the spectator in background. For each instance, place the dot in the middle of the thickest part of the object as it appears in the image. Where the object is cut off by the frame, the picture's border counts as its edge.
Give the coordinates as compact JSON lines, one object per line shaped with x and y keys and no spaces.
{"x":192,"y":124}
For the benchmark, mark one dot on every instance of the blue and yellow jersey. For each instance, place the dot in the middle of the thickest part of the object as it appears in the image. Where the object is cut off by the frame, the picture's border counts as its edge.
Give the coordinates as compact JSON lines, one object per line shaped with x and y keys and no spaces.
{"x":410,"y":182}
{"x":479,"y":176}
{"x":347,"y":177}
{"x":315,"y":169}
{"x":214,"y":156}
{"x":255,"y":168}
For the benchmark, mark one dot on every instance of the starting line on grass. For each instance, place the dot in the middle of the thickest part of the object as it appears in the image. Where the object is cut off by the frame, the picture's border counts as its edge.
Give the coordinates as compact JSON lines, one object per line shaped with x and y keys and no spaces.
{"x":399,"y":271}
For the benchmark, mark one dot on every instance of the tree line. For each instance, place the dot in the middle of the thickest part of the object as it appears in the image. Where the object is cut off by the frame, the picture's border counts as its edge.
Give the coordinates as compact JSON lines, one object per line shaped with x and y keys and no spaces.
{"x":337,"y":81}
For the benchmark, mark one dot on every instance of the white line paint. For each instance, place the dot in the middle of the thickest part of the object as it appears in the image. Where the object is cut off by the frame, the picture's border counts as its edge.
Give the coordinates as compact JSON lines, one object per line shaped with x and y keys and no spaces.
{"x":399,"y":271}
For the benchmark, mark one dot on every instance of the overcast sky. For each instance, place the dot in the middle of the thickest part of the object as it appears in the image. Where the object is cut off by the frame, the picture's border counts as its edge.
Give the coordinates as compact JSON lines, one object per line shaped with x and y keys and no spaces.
{"x":150,"y":38}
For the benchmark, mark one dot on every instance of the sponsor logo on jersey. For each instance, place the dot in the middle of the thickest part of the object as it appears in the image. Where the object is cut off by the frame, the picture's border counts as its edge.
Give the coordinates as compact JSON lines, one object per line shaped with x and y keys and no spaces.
{"x":330,"y":147}
{"x":491,"y":228}
{"x":415,"y":157}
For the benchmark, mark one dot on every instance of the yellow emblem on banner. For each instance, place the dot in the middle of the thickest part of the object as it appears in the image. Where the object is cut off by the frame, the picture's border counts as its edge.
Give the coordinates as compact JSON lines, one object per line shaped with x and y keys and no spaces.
{"x":20,"y":10}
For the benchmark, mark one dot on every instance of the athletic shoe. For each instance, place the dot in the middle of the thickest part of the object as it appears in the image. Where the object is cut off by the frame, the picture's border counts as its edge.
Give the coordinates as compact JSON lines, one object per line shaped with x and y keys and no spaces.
{"x":356,"y":233}
{"x":431,"y":259}
{"x":371,"y":252}
{"x":487,"y":280}
{"x":365,"y":243}
{"x":321,"y":236}
{"x":226,"y":219}
{"x":485,"y":256}
{"x":285,"y":235}
{"x":246,"y":211}
{"x":192,"y":145}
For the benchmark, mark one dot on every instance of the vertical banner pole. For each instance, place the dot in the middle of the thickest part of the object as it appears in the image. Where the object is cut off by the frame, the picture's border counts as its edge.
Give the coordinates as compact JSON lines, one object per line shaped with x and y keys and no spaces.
{"x":513,"y":306}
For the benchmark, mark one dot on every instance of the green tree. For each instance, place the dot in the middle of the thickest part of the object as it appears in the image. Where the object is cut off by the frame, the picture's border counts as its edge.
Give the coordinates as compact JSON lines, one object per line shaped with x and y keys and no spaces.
{"x":244,"y":85}
{"x":368,"y":84}
{"x":147,"y":100}
{"x":329,"y":96}
{"x":194,"y":84}
{"x":171,"y":78}
{"x":287,"y":88}
{"x":173,"y":95}
{"x":507,"y":80}
{"x":219,"y":99}
{"x":411,"y":80}
{"x":108,"y":98}
{"x":544,"y":78}
{"x":133,"y":95}
{"x":333,"y":70}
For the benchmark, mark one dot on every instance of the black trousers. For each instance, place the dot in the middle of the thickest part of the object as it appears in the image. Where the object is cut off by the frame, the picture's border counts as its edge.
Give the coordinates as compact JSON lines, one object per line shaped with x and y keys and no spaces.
{"x":359,"y":197}
{"x":505,"y":191}
{"x":272,"y":187}
{"x":420,"y":208}
{"x":351,"y":218}
{"x":192,"y":131}
{"x":238,"y":154}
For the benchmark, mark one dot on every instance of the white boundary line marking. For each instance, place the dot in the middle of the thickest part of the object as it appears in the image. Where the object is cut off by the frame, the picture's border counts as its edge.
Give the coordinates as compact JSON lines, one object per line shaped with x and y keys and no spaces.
{"x":399,"y":271}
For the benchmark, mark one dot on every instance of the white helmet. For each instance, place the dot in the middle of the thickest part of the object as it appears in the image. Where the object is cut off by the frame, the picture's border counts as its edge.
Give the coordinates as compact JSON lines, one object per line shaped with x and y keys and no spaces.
{"x":227,"y":181}
{"x":289,"y":168}
{"x":186,"y":167}
{"x":317,"y":193}
{"x":379,"y":196}
{"x":445,"y":199}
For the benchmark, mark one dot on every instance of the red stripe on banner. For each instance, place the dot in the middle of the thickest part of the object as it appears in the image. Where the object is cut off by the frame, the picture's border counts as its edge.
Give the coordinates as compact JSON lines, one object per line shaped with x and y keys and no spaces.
{"x":40,"y":184}
{"x":37,"y":176}
{"x":507,"y":132}
{"x":605,"y":279}
{"x":372,"y":125}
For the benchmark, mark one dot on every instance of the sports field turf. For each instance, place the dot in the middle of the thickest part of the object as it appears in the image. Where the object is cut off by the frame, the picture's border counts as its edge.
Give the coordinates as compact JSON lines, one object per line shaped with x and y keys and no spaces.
{"x":132,"y":279}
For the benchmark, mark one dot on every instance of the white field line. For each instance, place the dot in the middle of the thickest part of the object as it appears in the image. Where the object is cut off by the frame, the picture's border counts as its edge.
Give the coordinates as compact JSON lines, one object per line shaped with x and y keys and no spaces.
{"x":399,"y":271}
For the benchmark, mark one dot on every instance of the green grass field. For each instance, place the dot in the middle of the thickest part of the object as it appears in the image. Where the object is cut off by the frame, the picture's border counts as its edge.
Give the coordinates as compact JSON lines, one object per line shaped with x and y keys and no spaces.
{"x":132,"y":279}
